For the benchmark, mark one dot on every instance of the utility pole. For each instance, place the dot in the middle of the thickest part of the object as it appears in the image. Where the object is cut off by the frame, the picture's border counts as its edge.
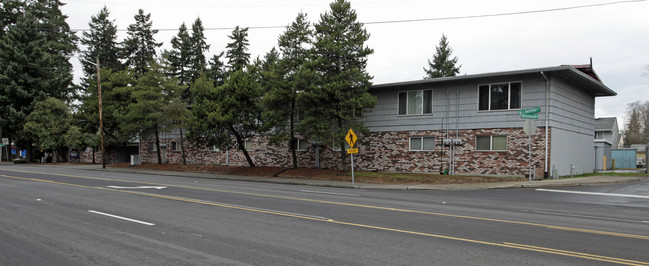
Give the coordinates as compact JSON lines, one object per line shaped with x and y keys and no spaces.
{"x":101,"y":118}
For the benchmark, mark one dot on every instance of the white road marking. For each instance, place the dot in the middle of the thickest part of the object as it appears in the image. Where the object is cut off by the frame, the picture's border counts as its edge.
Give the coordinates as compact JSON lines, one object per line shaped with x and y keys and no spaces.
{"x":138,"y":187}
{"x":120,"y":217}
{"x":330,"y":193}
{"x":593,"y":193}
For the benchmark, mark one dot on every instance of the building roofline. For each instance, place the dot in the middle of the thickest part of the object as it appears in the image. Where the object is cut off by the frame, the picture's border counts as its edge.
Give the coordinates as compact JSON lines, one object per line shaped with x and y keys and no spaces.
{"x":570,"y":72}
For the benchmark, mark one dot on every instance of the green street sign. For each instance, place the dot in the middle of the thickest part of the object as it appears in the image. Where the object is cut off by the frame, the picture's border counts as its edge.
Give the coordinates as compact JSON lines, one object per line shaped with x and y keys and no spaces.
{"x":530,"y":116}
{"x":532,"y":110}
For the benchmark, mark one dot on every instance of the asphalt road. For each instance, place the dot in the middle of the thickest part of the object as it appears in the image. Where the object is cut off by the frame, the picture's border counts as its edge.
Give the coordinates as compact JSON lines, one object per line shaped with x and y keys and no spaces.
{"x":59,"y":216}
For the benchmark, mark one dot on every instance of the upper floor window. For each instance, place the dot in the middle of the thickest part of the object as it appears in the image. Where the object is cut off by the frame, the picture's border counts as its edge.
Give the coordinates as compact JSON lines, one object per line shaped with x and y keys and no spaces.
{"x":499,"y":96}
{"x":416,"y":102}
{"x":212,"y":148}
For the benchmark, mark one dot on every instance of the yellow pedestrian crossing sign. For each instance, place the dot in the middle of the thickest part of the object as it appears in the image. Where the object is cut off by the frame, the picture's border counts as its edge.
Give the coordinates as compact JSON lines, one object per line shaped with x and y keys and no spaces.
{"x":351,"y":138}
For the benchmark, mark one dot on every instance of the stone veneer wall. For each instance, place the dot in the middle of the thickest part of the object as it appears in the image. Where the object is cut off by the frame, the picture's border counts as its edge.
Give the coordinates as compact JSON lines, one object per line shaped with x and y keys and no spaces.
{"x":383,"y":151}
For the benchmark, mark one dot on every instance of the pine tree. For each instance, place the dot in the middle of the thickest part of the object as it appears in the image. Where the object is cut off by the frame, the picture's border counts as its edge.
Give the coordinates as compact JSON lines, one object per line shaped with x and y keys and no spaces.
{"x":179,"y":57}
{"x":34,"y":64}
{"x":442,"y":65}
{"x":10,"y":10}
{"x":101,"y":43}
{"x":231,"y":111}
{"x":145,"y":115}
{"x":237,"y":50}
{"x":339,"y":95}
{"x":140,"y":46}
{"x":198,"y":47}
{"x":216,"y":71}
{"x":286,"y":77}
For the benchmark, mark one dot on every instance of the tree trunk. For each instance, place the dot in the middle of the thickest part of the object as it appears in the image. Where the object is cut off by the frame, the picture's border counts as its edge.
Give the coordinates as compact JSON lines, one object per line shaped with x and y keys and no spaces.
{"x":343,"y":152}
{"x":157,"y":144}
{"x":182,"y":147}
{"x":293,"y":140}
{"x":28,"y":156}
{"x":242,"y":147}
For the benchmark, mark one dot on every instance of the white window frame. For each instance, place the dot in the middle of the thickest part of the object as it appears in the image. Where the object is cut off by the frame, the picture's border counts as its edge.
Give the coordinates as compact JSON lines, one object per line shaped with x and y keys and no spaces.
{"x":152,"y":146}
{"x":421,"y":146}
{"x":423,"y":108}
{"x":213,"y":148}
{"x":247,"y":144}
{"x":299,"y":143}
{"x":491,"y":142}
{"x":176,"y":146}
{"x":509,"y":96}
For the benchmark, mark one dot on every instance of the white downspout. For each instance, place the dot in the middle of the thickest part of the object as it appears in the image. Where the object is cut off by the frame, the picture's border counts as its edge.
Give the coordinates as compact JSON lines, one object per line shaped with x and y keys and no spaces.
{"x":547,"y":122}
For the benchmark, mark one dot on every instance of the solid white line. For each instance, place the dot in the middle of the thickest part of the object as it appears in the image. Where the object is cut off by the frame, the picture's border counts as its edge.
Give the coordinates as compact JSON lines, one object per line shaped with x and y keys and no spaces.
{"x":593,"y":193}
{"x":120,"y":217}
{"x":330,"y":193}
{"x":138,"y":187}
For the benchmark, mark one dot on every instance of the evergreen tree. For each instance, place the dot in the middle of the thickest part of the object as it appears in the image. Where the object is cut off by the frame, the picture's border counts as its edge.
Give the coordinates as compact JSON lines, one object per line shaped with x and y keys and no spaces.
{"x":140,"y":46}
{"x":339,"y":95}
{"x":237,"y":50}
{"x":199,"y":46}
{"x":179,"y":57}
{"x":216,"y":71}
{"x":442,"y":65}
{"x":34,"y":64}
{"x":116,"y":90}
{"x":10,"y":10}
{"x":287,"y":76}
{"x":101,"y":43}
{"x":226,"y":115}
{"x":145,"y":115}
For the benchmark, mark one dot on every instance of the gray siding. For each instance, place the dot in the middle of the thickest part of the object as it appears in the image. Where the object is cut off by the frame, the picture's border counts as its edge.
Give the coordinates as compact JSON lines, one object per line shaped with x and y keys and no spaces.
{"x":384,"y":116}
{"x":571,"y":109}
{"x":571,"y":149}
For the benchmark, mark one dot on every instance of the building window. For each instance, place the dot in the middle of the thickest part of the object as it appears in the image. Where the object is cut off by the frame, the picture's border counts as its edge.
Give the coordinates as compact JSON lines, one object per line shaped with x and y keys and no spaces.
{"x":152,"y":146}
{"x":416,"y":102}
{"x":300,"y":144}
{"x":422,"y":143}
{"x":212,"y":148}
{"x":175,"y":146}
{"x":248,"y":145}
{"x":600,"y":135}
{"x":336,"y":147}
{"x":491,"y":143}
{"x":499,"y":96}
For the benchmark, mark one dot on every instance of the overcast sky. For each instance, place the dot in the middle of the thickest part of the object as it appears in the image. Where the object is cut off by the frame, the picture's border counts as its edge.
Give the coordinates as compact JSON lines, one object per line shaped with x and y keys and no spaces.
{"x":614,"y":33}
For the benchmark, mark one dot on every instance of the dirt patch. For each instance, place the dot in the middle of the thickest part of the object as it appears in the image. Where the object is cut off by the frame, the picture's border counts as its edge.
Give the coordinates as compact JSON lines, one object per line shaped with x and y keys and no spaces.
{"x":324,"y":174}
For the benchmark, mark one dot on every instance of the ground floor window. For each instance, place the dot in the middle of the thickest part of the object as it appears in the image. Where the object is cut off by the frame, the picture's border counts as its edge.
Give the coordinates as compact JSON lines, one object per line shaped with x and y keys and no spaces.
{"x":248,"y":145}
{"x":300,"y":145}
{"x":175,"y":146}
{"x":212,"y":148}
{"x":491,"y":143}
{"x":153,"y":147}
{"x":422,"y":143}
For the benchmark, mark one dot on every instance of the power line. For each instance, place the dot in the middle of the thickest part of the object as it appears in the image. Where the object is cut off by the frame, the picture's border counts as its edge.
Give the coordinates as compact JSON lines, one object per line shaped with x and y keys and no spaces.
{"x":416,"y":20}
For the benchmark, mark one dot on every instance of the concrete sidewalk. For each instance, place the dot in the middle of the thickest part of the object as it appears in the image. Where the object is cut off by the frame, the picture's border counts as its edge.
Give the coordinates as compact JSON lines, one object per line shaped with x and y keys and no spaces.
{"x":566,"y":182}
